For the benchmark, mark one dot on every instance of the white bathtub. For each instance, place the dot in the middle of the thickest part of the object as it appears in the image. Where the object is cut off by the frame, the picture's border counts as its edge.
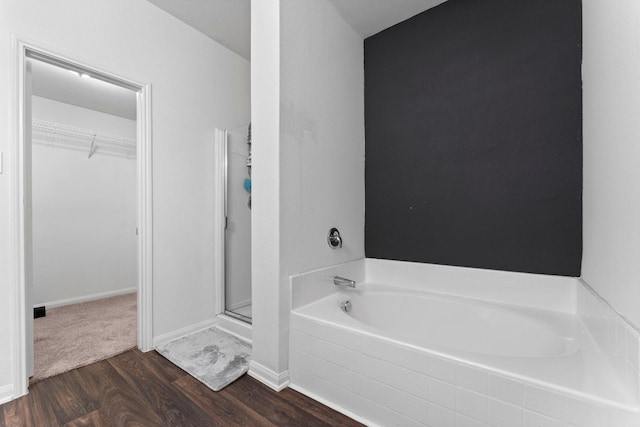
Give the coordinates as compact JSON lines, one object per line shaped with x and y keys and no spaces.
{"x":449,"y":324}
{"x":404,"y":357}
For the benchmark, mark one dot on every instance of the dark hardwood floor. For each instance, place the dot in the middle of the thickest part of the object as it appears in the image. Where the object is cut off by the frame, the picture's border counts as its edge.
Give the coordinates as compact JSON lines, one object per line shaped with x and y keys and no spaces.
{"x":144,"y":389}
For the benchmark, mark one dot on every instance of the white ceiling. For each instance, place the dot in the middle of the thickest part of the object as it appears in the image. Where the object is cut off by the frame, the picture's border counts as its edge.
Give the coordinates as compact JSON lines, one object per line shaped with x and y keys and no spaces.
{"x":49,"y":81}
{"x":369,"y":17}
{"x":226,"y":21}
{"x":229,"y":21}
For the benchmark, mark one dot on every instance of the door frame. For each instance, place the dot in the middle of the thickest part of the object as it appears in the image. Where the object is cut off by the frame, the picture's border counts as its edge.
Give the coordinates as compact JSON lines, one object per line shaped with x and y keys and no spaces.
{"x":23,"y":50}
{"x":220,"y":216}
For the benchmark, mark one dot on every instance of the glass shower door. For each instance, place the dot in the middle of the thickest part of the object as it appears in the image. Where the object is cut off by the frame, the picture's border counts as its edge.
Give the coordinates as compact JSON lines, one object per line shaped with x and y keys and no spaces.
{"x":238,"y":225}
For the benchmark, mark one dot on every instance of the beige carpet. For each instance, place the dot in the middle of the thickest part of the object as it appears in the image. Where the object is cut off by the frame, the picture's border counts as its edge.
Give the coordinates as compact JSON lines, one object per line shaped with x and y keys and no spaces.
{"x":80,"y":334}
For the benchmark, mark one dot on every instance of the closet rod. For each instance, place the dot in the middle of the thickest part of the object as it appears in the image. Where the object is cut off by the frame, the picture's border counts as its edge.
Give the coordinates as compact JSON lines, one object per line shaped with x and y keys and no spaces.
{"x":57,"y":134}
{"x":57,"y":129}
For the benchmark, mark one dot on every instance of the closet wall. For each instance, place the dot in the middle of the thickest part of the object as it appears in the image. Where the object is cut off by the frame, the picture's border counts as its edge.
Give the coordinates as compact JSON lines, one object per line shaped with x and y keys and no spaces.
{"x":84,"y":211}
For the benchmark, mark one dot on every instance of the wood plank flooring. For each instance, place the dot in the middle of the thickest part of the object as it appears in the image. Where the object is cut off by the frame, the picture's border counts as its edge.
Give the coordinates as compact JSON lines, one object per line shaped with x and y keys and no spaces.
{"x":144,"y":389}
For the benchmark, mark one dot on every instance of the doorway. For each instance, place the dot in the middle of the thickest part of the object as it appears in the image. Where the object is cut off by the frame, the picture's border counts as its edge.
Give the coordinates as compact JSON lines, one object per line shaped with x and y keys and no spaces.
{"x":21,"y":197}
{"x":83,"y":218}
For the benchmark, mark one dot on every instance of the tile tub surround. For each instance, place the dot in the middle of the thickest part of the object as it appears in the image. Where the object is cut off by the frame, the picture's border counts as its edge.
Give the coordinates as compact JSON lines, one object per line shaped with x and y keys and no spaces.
{"x":618,"y":339}
{"x":387,"y":382}
{"x":506,"y":401}
{"x":313,"y":285}
{"x":555,"y":293}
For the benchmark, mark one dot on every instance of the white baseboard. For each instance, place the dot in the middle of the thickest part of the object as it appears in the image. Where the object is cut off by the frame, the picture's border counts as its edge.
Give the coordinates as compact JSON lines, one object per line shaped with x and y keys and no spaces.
{"x":268,"y":377}
{"x":241,"y":330}
{"x":333,"y":406}
{"x":170,"y":336}
{"x":86,"y":298}
{"x":6,"y":393}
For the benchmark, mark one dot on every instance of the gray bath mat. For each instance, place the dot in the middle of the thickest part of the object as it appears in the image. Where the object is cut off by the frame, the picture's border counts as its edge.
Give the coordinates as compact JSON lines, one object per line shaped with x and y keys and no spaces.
{"x":212,"y":356}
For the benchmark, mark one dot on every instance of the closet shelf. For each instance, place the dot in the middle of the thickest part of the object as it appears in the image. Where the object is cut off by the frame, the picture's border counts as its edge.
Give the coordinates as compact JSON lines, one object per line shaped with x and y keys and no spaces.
{"x":57,"y":134}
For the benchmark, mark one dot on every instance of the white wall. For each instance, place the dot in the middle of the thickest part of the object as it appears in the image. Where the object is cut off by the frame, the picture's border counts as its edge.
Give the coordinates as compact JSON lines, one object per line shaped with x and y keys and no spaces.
{"x":611,"y":194}
{"x":267,"y":332}
{"x":320,"y":169}
{"x":322,"y":136}
{"x":84,"y":211}
{"x":197,"y":86}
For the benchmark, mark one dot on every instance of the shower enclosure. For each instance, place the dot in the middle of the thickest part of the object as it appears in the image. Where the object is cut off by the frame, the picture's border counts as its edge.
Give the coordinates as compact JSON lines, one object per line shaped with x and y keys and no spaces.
{"x":237,"y":257}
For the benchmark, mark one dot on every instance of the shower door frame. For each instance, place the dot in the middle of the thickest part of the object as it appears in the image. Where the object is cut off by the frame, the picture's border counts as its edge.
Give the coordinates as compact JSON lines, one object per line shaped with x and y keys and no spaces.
{"x":222,"y":152}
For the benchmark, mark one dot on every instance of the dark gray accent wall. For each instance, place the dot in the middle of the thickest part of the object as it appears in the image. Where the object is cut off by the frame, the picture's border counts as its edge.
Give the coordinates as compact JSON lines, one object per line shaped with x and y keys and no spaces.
{"x":473,"y":119}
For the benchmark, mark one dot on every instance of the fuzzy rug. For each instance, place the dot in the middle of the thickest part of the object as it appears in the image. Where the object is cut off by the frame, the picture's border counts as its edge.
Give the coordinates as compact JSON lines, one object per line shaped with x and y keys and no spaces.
{"x":79,"y":334}
{"x":212,"y":356}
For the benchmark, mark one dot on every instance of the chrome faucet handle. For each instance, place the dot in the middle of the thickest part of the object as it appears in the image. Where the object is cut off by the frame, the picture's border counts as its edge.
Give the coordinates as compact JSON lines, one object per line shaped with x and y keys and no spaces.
{"x":334,"y":239}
